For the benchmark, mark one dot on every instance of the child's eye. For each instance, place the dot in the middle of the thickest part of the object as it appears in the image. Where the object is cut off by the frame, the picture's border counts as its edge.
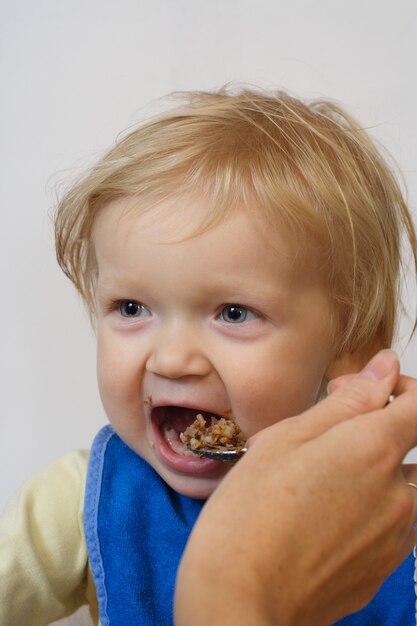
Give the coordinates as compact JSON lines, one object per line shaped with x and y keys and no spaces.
{"x":236,"y":314}
{"x":130,"y":308}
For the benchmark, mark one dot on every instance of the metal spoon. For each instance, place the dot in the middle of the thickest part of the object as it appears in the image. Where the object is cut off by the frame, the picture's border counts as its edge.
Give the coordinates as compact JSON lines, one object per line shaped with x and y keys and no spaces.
{"x":232,"y":455}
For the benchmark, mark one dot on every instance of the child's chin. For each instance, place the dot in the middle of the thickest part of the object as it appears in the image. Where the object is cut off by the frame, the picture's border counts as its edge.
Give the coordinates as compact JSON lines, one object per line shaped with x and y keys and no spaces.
{"x":193,"y":487}
{"x":186,"y":473}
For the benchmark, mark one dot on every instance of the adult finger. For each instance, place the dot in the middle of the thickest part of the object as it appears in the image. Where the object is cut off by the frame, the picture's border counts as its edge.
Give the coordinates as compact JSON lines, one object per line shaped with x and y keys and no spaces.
{"x":397,"y":422}
{"x":409,"y":472}
{"x":335,"y":383}
{"x":403,"y":382}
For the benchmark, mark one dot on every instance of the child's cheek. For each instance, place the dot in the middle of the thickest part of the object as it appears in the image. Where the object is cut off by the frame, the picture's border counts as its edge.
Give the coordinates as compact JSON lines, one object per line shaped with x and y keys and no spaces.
{"x":113,"y":382}
{"x":261,"y":401}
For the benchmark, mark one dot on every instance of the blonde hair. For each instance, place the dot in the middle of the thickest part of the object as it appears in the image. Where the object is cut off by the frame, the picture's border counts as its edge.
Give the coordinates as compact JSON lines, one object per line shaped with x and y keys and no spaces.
{"x":308,"y":166}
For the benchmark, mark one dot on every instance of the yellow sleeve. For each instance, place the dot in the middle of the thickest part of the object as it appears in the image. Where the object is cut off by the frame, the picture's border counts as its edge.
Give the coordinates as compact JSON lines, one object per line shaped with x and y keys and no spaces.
{"x":43,"y":557}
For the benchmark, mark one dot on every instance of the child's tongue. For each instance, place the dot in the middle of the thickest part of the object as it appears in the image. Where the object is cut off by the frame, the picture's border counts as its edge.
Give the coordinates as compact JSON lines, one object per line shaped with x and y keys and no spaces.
{"x":176,"y":421}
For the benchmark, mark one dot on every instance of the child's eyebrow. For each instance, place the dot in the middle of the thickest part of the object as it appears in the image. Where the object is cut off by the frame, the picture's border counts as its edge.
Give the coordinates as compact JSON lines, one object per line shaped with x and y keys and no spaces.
{"x":112,"y":283}
{"x":229,"y":287}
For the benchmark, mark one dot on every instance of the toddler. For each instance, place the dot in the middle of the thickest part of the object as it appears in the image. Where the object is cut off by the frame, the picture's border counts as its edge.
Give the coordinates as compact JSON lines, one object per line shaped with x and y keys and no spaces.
{"x":234,"y":254}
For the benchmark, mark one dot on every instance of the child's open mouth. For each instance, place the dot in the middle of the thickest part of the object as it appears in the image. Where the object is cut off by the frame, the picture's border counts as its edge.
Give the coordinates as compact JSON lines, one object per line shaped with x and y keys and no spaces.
{"x":167,"y":423}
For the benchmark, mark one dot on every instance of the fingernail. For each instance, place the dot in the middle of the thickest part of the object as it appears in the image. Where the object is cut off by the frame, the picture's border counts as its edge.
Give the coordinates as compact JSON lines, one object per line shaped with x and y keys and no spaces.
{"x":380,"y":365}
{"x":330,"y":387}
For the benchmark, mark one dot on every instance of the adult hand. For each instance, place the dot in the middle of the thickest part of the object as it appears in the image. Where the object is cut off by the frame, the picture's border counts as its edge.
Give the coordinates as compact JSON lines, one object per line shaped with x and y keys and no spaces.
{"x":307,"y":526}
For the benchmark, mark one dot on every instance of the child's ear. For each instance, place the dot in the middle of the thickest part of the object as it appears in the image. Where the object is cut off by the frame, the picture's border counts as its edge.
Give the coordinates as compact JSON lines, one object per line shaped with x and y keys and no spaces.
{"x":351,"y":362}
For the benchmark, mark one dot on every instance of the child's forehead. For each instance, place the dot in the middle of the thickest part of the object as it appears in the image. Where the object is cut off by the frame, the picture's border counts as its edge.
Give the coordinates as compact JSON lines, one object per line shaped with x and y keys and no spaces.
{"x":177,"y":219}
{"x":183,"y":221}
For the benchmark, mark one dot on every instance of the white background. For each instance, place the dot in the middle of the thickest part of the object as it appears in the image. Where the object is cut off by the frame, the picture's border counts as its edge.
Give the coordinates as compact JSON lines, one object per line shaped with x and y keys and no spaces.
{"x":74,"y":73}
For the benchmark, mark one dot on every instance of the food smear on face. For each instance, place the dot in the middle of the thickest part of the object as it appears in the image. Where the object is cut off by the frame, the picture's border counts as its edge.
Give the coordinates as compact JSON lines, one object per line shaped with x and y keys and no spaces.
{"x":222,"y":434}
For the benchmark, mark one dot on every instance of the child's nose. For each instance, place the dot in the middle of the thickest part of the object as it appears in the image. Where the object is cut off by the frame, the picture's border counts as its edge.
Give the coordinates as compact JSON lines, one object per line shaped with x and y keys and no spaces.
{"x":178,"y":354}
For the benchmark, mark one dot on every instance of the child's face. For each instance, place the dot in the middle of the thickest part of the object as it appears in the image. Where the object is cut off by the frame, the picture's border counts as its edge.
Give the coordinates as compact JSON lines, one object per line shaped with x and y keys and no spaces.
{"x":225,"y":321}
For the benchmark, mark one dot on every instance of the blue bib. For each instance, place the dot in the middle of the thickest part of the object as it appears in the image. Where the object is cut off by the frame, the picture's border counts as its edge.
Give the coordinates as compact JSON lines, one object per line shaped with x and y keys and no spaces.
{"x":136,"y":528}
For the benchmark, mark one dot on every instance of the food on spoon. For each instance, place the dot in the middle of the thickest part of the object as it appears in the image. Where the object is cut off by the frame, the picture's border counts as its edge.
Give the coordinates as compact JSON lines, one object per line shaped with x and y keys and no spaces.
{"x":222,"y":434}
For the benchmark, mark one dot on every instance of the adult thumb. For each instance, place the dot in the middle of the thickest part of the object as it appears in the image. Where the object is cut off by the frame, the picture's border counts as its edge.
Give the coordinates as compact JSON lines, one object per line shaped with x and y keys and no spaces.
{"x":361,"y":393}
{"x":364,"y":392}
